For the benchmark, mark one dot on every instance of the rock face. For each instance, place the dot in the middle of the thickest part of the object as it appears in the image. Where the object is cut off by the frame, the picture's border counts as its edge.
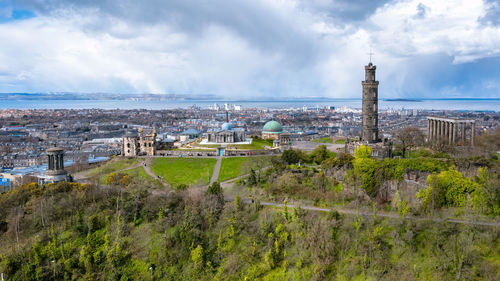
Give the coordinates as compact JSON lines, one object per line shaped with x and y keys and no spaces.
{"x":412,"y":183}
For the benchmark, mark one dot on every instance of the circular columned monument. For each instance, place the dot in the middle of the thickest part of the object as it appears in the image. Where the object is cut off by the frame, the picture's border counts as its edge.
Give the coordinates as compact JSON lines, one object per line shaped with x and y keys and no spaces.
{"x":55,"y":171}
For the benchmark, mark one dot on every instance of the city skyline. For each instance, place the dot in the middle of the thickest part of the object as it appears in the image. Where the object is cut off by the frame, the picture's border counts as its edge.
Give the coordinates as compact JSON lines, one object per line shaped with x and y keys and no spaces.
{"x":239,"y":49}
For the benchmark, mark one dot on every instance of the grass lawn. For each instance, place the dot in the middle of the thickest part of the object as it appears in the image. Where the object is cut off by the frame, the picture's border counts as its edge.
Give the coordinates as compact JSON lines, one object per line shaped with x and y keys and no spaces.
{"x":340,"y":141}
{"x":184,"y":170}
{"x":113,"y":165}
{"x":323,"y":140}
{"x":140,"y":175}
{"x":236,"y":166}
{"x":209,"y":145}
{"x":257,"y":144}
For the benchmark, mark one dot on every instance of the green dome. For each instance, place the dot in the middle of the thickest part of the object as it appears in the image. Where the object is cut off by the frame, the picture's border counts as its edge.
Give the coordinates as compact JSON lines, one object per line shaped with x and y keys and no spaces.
{"x":272,"y":127}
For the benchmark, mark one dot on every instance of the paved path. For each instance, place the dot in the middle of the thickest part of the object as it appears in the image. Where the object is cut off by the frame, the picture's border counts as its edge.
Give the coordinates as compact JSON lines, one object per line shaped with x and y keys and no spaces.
{"x":215,"y":174}
{"x":370,"y":214}
{"x":230,"y":182}
{"x":147,"y":169}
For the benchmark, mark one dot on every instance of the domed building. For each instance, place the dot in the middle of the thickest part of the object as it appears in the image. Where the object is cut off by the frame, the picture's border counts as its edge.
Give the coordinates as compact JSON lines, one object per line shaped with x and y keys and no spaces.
{"x":272,"y":130}
{"x":226,"y":134}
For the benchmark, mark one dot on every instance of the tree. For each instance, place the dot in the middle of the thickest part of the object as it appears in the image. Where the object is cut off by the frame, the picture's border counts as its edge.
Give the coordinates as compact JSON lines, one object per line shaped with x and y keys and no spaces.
{"x":408,"y":138}
{"x":290,"y":156}
{"x":319,"y":154}
{"x":252,"y":178}
{"x":363,"y":151}
{"x":486,"y":198}
{"x":287,"y":183}
{"x":448,"y":188}
{"x":214,"y":189}
{"x":490,"y":141}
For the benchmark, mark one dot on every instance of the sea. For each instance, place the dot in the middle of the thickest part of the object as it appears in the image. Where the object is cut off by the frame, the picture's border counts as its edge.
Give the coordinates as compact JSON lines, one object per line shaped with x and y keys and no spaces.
{"x":491,"y":105}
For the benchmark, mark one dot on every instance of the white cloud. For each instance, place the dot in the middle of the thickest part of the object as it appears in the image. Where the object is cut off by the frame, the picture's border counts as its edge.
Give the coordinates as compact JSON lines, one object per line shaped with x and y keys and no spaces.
{"x":269,"y":48}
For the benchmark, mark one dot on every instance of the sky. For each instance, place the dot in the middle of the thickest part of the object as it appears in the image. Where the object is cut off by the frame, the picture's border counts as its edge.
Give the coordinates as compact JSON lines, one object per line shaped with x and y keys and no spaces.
{"x":244,"y":49}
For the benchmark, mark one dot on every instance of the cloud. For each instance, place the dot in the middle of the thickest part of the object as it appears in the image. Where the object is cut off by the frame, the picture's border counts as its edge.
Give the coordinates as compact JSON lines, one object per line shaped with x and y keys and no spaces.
{"x":242,"y":49}
{"x":492,"y":13}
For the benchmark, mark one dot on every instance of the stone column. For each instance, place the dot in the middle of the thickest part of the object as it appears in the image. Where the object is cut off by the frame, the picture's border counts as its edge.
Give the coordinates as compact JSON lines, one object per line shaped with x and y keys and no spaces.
{"x":445,"y":131}
{"x":450,"y":138}
{"x":454,"y":134}
{"x":428,"y":130}
{"x":473,"y":133}
{"x":438,"y":130}
{"x":441,"y":130}
{"x":51,"y":161}
{"x":463,"y":132}
{"x":434,"y":130}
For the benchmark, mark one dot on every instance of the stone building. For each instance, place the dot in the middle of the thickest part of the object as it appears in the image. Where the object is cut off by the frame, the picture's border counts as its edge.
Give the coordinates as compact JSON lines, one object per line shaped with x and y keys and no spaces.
{"x":139,"y":143}
{"x":226,"y":134}
{"x":55,"y":171}
{"x":370,"y":105}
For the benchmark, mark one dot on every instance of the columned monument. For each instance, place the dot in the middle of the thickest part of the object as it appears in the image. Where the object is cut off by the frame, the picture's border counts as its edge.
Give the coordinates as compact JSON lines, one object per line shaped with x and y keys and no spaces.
{"x":55,"y":170}
{"x":451,"y":130}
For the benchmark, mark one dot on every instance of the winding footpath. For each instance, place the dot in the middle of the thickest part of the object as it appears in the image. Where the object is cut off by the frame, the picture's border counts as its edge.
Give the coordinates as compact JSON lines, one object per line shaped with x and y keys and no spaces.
{"x":229,"y":183}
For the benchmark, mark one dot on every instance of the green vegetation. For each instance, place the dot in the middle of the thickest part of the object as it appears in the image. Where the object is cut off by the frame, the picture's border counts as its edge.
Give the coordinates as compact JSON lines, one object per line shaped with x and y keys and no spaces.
{"x":129,"y":230}
{"x":318,"y":155}
{"x":140,"y":174}
{"x":113,"y":165}
{"x":323,"y":140}
{"x":187,"y":171}
{"x":81,"y":232}
{"x":236,"y":166}
{"x":340,"y":141}
{"x":257,"y":144}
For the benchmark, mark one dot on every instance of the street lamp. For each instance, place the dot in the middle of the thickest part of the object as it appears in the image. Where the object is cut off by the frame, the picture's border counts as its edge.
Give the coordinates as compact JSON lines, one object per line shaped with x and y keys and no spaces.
{"x":54,"y":265}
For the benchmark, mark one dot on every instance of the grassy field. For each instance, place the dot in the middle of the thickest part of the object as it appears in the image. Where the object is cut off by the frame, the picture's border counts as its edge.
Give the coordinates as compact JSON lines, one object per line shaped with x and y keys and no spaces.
{"x":140,"y":174}
{"x":237,"y":166}
{"x":323,"y":140}
{"x":113,"y":165}
{"x":187,"y":171}
{"x":257,"y":144}
{"x":340,"y":141}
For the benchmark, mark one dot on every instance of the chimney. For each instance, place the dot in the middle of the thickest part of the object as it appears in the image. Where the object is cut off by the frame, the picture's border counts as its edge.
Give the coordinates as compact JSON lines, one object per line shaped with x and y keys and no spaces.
{"x":227,"y":117}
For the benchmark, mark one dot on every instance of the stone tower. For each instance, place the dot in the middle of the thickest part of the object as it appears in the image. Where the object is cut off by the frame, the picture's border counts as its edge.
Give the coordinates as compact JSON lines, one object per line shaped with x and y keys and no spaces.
{"x":370,"y":105}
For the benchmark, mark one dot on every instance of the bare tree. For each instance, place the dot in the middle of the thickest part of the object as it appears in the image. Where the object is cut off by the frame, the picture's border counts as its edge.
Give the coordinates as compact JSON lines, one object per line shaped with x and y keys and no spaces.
{"x":409,"y":138}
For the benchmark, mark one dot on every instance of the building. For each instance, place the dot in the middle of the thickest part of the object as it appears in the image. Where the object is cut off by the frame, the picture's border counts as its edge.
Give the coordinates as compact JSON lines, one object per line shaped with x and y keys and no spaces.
{"x":272,"y":130}
{"x":226,"y":134}
{"x":189,"y":134}
{"x":139,"y":143}
{"x":55,"y":172}
{"x":370,"y":105}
